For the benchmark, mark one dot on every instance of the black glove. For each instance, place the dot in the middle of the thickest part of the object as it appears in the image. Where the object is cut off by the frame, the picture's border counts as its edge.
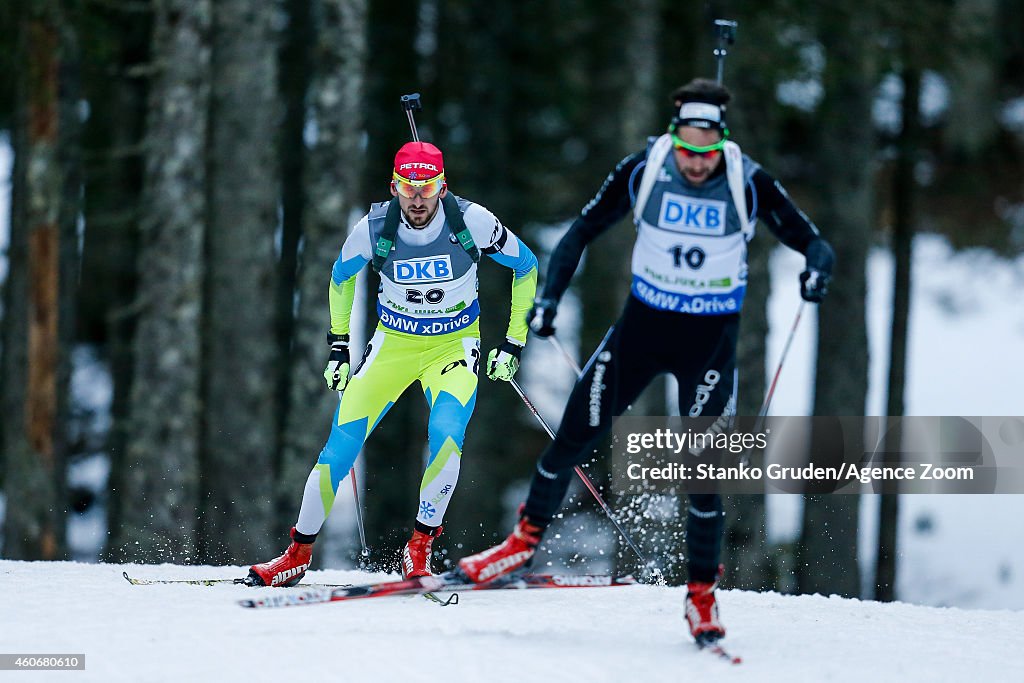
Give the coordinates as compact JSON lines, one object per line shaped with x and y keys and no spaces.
{"x":541,"y":317}
{"x":817,"y":270}
{"x":813,"y":285}
{"x":336,"y":373}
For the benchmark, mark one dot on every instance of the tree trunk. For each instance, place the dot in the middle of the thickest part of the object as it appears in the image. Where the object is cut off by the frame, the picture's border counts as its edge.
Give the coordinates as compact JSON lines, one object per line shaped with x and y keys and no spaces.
{"x":39,"y":305}
{"x":489,"y":456}
{"x":843,"y":153}
{"x":156,"y":514}
{"x":641,"y":112}
{"x":604,"y":281}
{"x":295,"y":64}
{"x":902,"y":240}
{"x":331,"y":186}
{"x":20,"y":464}
{"x":240,"y":431}
{"x":113,"y":136}
{"x":973,"y":73}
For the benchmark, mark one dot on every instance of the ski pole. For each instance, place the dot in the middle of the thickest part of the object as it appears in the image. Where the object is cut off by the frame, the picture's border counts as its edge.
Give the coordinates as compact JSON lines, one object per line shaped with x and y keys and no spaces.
{"x":726,"y":32}
{"x":411,"y":103}
{"x":762,"y":414}
{"x":364,"y":552}
{"x":565,"y":354}
{"x":583,"y":476}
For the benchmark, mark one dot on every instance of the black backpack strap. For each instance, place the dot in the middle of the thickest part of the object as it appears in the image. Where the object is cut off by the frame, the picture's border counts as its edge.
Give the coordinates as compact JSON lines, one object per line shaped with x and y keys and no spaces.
{"x":457,"y":224}
{"x":386,"y":239}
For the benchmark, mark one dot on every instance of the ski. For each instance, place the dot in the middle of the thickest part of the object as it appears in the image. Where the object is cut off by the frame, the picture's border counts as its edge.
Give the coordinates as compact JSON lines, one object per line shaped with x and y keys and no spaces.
{"x":447,"y":582}
{"x":715,"y":649}
{"x":213,"y":582}
{"x":191,"y":582}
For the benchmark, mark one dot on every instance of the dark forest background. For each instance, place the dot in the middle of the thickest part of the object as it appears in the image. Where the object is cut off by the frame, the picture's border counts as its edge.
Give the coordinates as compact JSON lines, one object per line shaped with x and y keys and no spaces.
{"x":185,"y":172}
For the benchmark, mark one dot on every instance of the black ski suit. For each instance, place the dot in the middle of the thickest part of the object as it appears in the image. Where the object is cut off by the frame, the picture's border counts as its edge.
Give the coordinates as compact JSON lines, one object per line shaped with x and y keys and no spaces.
{"x":645,"y":342}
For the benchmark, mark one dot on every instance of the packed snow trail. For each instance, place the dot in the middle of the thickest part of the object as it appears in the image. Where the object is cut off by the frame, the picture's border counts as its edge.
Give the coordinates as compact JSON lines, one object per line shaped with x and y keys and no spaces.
{"x":637,"y":633}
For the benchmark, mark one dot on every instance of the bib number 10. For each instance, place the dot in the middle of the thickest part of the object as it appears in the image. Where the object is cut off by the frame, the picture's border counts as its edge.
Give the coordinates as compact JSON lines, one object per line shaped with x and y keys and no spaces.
{"x":692,"y":257}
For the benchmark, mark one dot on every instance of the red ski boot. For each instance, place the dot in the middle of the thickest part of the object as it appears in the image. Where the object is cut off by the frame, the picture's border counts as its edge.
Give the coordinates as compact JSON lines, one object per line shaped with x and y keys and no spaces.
{"x":503,"y":559}
{"x":416,"y":553}
{"x":286,"y":570}
{"x":702,"y":612}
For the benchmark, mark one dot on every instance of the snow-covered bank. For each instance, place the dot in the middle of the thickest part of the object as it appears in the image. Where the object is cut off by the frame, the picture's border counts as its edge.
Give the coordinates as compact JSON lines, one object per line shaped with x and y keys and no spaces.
{"x":181,"y":632}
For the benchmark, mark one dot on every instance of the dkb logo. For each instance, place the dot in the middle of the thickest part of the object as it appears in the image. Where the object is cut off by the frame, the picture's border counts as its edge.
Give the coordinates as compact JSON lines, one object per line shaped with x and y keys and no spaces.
{"x":689,"y":214}
{"x":431,"y":269}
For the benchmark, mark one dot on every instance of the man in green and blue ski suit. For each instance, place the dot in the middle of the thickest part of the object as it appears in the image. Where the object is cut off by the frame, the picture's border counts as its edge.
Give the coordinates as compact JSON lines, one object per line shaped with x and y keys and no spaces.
{"x":425,"y":244}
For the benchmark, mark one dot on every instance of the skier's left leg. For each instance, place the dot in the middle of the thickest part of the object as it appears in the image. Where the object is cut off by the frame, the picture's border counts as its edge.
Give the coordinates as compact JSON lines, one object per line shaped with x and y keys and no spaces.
{"x":449,"y":381}
{"x":707,"y":388}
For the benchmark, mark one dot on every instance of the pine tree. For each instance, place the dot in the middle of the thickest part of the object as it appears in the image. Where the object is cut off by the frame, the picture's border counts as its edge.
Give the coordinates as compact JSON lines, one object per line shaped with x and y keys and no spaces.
{"x":39,"y":296}
{"x":157,"y":494}
{"x":843,"y":155}
{"x":240,"y":428}
{"x":330,"y":184}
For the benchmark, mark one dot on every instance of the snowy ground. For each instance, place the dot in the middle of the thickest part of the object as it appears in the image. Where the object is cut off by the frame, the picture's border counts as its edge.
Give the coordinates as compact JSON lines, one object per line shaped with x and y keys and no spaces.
{"x":179,"y":633}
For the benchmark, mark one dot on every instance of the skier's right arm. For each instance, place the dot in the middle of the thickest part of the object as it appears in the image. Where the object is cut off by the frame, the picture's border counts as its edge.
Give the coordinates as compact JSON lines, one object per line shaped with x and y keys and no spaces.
{"x":355,"y":253}
{"x":609,"y":205}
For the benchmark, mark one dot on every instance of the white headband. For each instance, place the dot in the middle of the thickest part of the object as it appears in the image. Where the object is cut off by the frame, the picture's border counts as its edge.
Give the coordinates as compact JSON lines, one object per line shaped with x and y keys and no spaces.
{"x":701,"y":111}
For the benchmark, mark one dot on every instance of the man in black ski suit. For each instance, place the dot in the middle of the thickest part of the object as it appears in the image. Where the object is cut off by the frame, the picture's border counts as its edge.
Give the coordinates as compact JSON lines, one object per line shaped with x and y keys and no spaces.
{"x":695,"y":199}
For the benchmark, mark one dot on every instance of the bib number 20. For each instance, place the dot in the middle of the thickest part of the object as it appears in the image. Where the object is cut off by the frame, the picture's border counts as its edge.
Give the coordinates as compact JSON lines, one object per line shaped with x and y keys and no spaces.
{"x":432,"y":296}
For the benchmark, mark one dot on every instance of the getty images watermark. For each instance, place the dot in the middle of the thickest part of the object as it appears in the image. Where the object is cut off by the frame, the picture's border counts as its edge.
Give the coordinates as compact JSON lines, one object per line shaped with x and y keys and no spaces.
{"x":806,"y":455}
